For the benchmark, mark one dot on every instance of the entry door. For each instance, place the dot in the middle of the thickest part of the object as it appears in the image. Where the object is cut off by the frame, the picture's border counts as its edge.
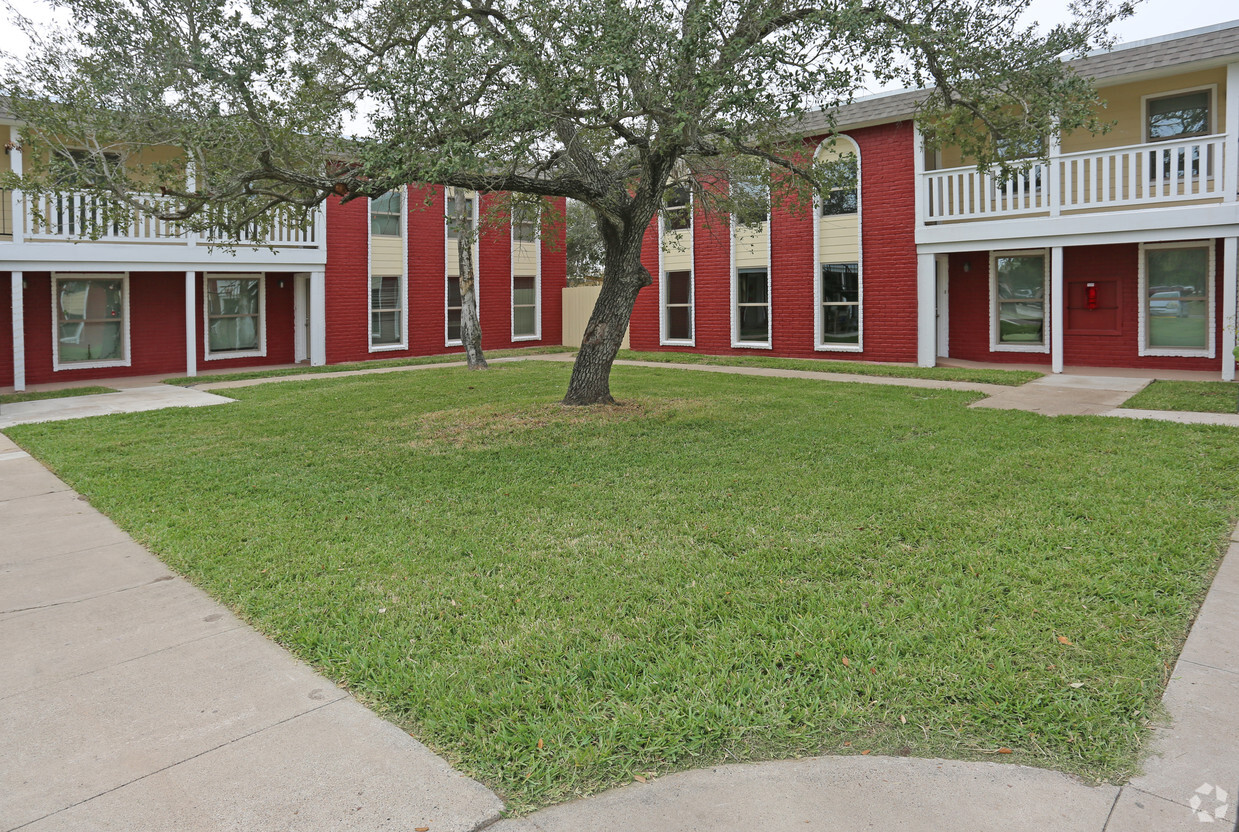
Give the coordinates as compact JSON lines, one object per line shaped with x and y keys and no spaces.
{"x":943,"y":312}
{"x":301,"y":318}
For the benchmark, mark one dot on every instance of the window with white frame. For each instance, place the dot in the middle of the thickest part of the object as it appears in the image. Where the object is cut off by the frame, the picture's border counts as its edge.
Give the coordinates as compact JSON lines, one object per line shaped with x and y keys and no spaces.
{"x":386,"y":311}
{"x":385,"y":215}
{"x":234,"y":311}
{"x":1018,"y":288}
{"x":1181,"y":115}
{"x":1176,"y":304}
{"x":92,"y":320}
{"x":840,"y":292}
{"x":841,"y":176}
{"x":453,"y":308}
{"x":453,"y":222}
{"x":752,"y":306}
{"x":524,"y":306}
{"x":677,"y":209}
{"x":524,"y":223}
{"x":678,"y":306}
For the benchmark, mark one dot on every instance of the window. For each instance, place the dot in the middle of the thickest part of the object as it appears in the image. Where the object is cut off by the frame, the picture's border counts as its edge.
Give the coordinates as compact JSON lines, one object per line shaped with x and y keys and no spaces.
{"x":453,"y":308}
{"x":677,"y":209}
{"x":1176,"y":285}
{"x":234,"y":316}
{"x":1178,"y":116}
{"x":678,"y":298}
{"x":385,"y":215}
{"x":753,"y":306}
{"x":840,"y":304}
{"x":842,"y":178}
{"x":386,"y":311}
{"x":452,"y":208}
{"x":1018,"y":289}
{"x":91,"y":320}
{"x":752,"y":202}
{"x":524,"y":223}
{"x":524,"y":306}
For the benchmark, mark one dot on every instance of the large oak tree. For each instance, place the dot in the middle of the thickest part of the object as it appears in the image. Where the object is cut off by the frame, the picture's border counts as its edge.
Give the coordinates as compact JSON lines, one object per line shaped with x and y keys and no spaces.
{"x":609,"y":102}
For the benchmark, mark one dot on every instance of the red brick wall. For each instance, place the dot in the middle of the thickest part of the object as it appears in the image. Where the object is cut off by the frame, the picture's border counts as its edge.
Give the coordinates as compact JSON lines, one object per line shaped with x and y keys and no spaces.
{"x":970,"y":326}
{"x":156,"y":329}
{"x":888,"y":254}
{"x":348,"y":326}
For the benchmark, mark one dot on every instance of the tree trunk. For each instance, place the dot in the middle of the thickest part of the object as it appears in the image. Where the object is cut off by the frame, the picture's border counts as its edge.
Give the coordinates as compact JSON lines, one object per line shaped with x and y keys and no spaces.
{"x":470,"y":326}
{"x":622,"y":277}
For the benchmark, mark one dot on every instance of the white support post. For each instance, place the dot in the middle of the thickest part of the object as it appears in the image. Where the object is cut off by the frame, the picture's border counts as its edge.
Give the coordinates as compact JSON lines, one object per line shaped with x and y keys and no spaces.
{"x":1230,"y":283}
{"x":191,"y":324}
{"x":1054,"y":181}
{"x":1057,"y":309}
{"x":926,"y":311}
{"x":15,"y":165}
{"x":1230,"y":155}
{"x":318,"y":318}
{"x":918,"y":178}
{"x":16,"y":280}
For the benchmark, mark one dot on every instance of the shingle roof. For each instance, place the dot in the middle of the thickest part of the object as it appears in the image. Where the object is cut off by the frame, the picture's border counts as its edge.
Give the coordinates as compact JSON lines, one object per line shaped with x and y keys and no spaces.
{"x":1198,"y":46}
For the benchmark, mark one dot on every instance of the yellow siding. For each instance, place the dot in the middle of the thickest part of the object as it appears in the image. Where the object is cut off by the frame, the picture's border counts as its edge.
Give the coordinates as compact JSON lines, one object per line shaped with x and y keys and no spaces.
{"x":578,"y":305}
{"x":752,"y":247}
{"x":839,"y":239}
{"x":386,"y":255}
{"x":524,"y":258}
{"x":5,"y":135}
{"x":453,"y":258}
{"x":6,"y":201}
{"x":1123,"y":106}
{"x":678,"y":250}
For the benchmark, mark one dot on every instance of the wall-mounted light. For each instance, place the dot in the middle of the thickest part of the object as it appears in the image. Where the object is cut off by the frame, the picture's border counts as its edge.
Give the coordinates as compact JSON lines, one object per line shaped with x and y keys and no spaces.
{"x":967,"y":265}
{"x":281,"y":284}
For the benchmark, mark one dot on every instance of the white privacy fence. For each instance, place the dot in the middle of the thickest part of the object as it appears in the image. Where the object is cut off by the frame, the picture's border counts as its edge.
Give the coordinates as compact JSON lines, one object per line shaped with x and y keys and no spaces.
{"x":1117,"y":177}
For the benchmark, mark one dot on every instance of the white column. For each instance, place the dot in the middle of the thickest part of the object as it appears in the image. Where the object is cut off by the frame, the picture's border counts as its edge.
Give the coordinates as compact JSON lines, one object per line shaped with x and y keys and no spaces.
{"x":926,"y":311}
{"x":918,"y":178}
{"x":1230,"y":156}
{"x":318,"y":318}
{"x":1230,"y":279}
{"x":1057,"y":309}
{"x":191,"y":324}
{"x":1054,"y":180}
{"x":15,"y":165}
{"x":19,"y":330}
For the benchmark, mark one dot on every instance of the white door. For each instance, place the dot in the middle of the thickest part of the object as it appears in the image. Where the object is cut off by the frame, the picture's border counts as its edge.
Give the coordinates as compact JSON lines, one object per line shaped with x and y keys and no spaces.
{"x":301,"y":318}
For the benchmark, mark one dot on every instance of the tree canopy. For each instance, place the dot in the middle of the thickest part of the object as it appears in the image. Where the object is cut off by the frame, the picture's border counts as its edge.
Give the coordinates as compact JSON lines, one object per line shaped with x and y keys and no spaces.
{"x":609,"y":103}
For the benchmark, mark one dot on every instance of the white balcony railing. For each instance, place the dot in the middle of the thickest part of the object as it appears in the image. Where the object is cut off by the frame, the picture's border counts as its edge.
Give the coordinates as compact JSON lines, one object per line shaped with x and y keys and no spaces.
{"x":83,"y":216}
{"x":1113,"y":178}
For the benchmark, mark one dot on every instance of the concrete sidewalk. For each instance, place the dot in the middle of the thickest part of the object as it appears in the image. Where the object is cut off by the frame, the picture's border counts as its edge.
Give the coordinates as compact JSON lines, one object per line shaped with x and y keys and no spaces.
{"x":132,"y":701}
{"x":132,"y":400}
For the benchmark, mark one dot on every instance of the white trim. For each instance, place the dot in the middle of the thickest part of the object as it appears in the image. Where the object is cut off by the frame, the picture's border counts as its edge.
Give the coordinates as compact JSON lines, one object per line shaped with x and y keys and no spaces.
{"x":1058,"y":313}
{"x":918,"y":174}
{"x":17,"y":204}
{"x":663,"y":340}
{"x":1230,"y":279}
{"x":301,"y":305}
{"x":926,"y":311}
{"x":1144,"y":109}
{"x":17,"y":295}
{"x":1047,"y":335}
{"x":537,"y":278}
{"x":318,"y":318}
{"x":1210,"y":350}
{"x":1230,"y":152}
{"x":261,"y":352}
{"x":127,"y":361}
{"x":818,"y":344}
{"x":942,"y":307}
{"x":736,"y":343}
{"x":403,"y":278}
{"x":191,"y":324}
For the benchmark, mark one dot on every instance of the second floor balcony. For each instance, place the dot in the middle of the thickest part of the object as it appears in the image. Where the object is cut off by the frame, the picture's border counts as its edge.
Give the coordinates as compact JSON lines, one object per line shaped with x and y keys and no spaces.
{"x":1155,"y":174}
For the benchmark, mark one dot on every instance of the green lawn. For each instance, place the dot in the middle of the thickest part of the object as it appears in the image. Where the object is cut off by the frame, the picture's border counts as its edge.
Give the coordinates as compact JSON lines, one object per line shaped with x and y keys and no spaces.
{"x":35,"y":395}
{"x":1199,"y":396}
{"x":1012,"y":378}
{"x":187,"y":381}
{"x":725,"y":568}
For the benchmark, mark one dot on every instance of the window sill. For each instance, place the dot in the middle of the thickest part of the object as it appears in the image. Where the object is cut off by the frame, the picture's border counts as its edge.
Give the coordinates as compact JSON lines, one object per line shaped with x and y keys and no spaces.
{"x":839,"y":348}
{"x":1171,"y":352}
{"x":752,"y":345}
{"x":1043,"y":349}
{"x":57,"y":367}
{"x":388,"y":347}
{"x":677,"y":342}
{"x":220,"y":356}
{"x":537,"y":337}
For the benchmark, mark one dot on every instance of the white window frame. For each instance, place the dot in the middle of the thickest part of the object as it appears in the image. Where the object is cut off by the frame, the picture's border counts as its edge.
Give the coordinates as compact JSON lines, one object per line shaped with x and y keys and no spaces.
{"x":818,"y":344}
{"x":663,"y":340}
{"x":400,"y":217}
{"x":261,"y":352}
{"x":1210,"y":350}
{"x":449,"y":242}
{"x":127,"y":360}
{"x":736,"y":343}
{"x":1144,"y":112}
{"x":404,"y":282}
{"x":1046,"y":336}
{"x":537,"y":278}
